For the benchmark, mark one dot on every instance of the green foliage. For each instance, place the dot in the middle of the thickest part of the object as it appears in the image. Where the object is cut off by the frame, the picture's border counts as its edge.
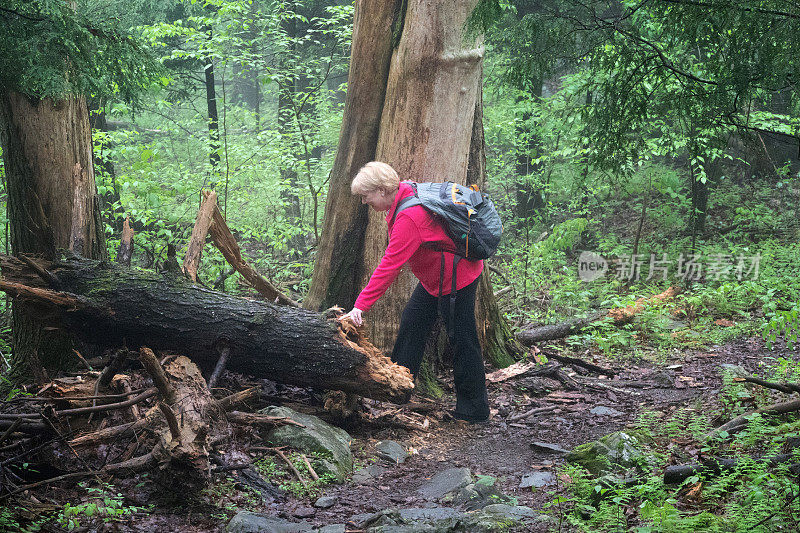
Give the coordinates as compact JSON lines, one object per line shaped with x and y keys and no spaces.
{"x":49,"y":48}
{"x":103,"y":504}
{"x":752,"y":494}
{"x":783,"y":323}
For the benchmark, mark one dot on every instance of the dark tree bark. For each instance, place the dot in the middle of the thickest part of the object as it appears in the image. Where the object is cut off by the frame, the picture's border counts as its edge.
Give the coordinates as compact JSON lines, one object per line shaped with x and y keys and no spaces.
{"x":213,"y":115}
{"x":52,"y":202}
{"x":110,"y":305}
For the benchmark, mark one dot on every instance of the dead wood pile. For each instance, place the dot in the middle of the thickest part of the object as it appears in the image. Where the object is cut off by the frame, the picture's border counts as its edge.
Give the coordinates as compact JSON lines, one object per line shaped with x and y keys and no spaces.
{"x":161,"y":419}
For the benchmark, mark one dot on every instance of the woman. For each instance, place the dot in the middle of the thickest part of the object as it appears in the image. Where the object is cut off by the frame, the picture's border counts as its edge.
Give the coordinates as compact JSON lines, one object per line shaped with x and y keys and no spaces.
{"x":416,"y":238}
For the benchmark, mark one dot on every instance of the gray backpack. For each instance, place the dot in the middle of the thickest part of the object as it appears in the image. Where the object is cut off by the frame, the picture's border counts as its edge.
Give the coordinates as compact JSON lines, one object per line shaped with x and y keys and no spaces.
{"x":467,"y":215}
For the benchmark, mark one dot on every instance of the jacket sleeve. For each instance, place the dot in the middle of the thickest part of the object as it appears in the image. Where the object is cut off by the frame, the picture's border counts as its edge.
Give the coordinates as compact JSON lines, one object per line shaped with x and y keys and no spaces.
{"x":403,"y":242}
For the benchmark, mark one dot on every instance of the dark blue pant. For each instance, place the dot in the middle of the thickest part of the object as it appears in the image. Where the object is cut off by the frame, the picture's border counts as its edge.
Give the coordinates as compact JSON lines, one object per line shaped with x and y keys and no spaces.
{"x":415,"y":325}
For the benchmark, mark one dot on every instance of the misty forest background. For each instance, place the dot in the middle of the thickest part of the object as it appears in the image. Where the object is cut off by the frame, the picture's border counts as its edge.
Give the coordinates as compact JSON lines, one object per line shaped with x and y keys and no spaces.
{"x":648,"y":129}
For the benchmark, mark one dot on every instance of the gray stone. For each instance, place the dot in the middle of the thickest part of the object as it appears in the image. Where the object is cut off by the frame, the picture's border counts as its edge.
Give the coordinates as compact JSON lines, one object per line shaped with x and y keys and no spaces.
{"x":736,"y":371}
{"x":362,"y":475}
{"x":478,"y":495}
{"x":502,"y":516}
{"x":414,"y":520}
{"x":537,"y":479}
{"x":247,"y":522}
{"x":449,"y":480}
{"x":332,"y":528}
{"x":326,"y":502}
{"x":391,"y":451}
{"x":602,"y":410}
{"x":331,"y":444}
{"x":519,"y":512}
{"x":547,"y":447}
{"x":494,"y":517}
{"x":303,"y":512}
{"x":620,"y":448}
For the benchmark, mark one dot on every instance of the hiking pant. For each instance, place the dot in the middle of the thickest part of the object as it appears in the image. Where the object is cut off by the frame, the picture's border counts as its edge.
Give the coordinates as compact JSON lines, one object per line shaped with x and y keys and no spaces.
{"x":418,"y":318}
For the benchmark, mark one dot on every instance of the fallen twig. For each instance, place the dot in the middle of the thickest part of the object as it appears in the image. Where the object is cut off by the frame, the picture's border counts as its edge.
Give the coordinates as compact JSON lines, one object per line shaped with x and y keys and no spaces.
{"x":253,"y":393}
{"x":783,"y":387}
{"x":311,"y":470}
{"x":148,"y":393}
{"x":580,"y":362}
{"x":291,"y":466}
{"x":531,"y":412}
{"x":153,"y":367}
{"x":741,"y":421}
{"x":172,"y":421}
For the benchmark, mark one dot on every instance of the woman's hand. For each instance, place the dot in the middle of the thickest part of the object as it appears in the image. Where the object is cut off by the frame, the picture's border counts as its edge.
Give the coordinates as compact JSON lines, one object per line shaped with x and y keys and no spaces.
{"x":354,"y":315}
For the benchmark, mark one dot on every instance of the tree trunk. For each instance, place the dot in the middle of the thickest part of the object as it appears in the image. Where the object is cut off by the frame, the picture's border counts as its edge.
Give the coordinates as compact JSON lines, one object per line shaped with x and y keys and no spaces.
{"x":426,"y":126}
{"x":427,"y":119}
{"x":498,"y":343}
{"x":52,"y":202}
{"x":112,"y":305}
{"x":213,"y":116}
{"x":338,"y":266}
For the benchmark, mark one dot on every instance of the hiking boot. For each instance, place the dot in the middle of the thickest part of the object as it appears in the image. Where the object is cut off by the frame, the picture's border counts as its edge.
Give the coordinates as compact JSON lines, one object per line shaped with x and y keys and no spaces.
{"x":469,"y":419}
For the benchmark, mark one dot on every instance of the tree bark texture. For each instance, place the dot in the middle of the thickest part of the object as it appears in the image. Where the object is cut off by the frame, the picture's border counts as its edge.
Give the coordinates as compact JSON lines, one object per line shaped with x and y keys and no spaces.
{"x":52,"y":202}
{"x":111,"y":305}
{"x":498,"y":343}
{"x":426,"y":126}
{"x":338,"y":266}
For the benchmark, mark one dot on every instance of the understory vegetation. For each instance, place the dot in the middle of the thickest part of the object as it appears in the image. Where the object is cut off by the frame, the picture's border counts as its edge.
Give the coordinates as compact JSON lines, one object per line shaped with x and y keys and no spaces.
{"x":709,"y":208}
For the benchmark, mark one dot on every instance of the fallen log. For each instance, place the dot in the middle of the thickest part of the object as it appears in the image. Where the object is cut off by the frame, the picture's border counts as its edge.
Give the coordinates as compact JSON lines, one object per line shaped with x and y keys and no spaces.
{"x":619,"y":316}
{"x":110,"y":305}
{"x":678,"y":473}
{"x":742,"y":420}
{"x":552,"y":332}
{"x":786,"y":387}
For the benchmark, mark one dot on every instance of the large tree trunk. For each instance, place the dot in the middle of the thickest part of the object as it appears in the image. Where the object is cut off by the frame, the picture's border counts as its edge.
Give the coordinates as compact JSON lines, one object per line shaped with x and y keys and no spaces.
{"x":425,"y":129}
{"x":338,"y":265}
{"x":498,"y":343}
{"x":426,"y":126}
{"x":111,"y":305}
{"x":52,"y":202}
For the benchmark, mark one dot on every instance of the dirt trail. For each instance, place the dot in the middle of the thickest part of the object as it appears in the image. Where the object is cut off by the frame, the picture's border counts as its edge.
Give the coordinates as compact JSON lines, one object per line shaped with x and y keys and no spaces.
{"x":502,"y":450}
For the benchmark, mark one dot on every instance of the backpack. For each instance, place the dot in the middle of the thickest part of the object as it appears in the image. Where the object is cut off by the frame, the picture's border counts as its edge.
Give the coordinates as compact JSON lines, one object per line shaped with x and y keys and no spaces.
{"x":467,"y":215}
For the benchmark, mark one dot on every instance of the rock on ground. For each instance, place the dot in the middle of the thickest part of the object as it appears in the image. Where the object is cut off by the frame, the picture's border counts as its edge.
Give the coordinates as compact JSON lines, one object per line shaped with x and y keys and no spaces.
{"x":620,"y":448}
{"x":445,"y":482}
{"x":331,"y":444}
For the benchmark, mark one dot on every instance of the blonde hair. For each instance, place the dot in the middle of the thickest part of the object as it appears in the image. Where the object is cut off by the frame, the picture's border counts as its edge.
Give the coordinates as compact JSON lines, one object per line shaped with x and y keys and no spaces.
{"x":373,"y":176}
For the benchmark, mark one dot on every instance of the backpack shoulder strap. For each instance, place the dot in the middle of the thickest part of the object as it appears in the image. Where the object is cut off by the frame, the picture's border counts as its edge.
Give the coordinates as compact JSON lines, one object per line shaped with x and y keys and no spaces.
{"x":408,"y":201}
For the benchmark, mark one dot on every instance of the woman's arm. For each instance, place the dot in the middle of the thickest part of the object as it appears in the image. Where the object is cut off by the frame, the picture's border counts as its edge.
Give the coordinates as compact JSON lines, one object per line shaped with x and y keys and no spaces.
{"x":403,"y":242}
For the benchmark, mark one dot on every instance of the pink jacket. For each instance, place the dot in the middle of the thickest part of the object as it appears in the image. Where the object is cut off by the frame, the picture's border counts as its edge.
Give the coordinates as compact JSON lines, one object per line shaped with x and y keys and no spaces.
{"x":411,"y":238}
